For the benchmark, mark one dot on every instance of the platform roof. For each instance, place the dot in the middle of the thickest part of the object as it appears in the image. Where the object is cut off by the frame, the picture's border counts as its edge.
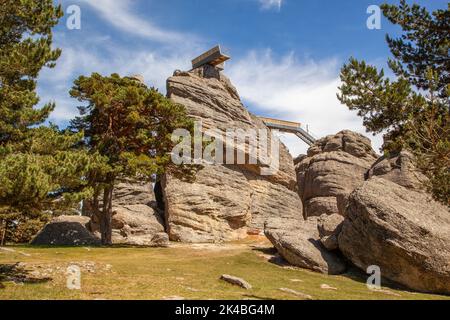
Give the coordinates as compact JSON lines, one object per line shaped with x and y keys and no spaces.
{"x":213,"y":57}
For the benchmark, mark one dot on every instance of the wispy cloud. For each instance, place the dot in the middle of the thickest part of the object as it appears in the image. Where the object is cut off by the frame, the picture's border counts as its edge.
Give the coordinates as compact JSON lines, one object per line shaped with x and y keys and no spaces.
{"x":82,"y":55}
{"x":85,"y":57}
{"x":271,"y":4}
{"x":296,"y":90}
{"x":120,"y":14}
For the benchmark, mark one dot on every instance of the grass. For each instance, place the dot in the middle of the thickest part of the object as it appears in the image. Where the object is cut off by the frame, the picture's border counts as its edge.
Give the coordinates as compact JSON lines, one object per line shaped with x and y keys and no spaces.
{"x":188,"y":271}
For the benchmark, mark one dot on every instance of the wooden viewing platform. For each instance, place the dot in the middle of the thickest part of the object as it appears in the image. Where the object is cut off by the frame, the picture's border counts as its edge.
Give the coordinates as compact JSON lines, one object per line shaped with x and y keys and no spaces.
{"x":289,"y":127}
{"x":213,"y":57}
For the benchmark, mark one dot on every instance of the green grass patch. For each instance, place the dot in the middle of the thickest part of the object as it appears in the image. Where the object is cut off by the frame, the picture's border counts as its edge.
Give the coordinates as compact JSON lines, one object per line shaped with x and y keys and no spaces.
{"x":191,"y":272}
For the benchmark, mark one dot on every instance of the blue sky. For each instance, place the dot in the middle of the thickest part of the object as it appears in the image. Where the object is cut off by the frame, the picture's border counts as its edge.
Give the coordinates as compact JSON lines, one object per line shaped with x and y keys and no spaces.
{"x":286,"y":54}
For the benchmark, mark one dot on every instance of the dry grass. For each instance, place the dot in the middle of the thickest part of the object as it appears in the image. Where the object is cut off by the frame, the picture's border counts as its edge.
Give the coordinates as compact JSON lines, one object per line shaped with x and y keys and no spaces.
{"x":185,"y":271}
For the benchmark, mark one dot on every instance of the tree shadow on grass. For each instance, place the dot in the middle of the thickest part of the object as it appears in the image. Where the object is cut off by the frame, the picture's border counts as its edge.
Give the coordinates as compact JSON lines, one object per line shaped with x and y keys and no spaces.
{"x":18,"y":274}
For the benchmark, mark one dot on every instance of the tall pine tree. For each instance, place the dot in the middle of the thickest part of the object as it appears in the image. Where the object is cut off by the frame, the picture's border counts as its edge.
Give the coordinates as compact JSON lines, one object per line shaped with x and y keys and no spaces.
{"x":413,"y":109}
{"x":40,"y":171}
{"x":131,"y":126}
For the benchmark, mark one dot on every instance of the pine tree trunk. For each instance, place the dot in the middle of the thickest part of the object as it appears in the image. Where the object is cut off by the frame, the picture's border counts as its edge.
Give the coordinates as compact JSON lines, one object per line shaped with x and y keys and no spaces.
{"x":106,"y":217}
{"x":2,"y":239}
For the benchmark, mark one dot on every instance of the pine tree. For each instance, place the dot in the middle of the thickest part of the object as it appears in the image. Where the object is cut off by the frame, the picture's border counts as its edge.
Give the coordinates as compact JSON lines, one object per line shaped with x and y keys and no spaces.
{"x":413,"y":110}
{"x":131,"y":126}
{"x":25,"y":48}
{"x":41,"y":170}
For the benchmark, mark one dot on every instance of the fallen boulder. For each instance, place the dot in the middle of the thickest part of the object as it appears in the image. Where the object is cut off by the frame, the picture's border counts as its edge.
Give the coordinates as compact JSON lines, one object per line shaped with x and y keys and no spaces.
{"x":66,"y":231}
{"x":404,"y":232}
{"x":299,"y":243}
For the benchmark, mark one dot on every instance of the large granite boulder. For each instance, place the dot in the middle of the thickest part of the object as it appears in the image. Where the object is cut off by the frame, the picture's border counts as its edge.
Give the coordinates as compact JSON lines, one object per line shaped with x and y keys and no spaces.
{"x":298,"y":241}
{"x":404,"y":232}
{"x":400,"y":169}
{"x":225,"y":202}
{"x":66,"y":231}
{"x":136,"y":219}
{"x":333,"y":167}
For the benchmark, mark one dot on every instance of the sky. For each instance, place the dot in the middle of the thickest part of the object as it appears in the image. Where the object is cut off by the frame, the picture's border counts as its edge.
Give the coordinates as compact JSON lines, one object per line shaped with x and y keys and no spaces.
{"x":286,"y":54}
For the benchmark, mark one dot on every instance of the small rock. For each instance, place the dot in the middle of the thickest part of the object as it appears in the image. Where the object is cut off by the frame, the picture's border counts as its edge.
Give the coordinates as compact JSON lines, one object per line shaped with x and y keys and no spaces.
{"x":327,"y":287}
{"x":174,"y":298}
{"x":236,"y":281}
{"x":296,"y":280}
{"x":296,"y":293}
{"x":385,"y":291}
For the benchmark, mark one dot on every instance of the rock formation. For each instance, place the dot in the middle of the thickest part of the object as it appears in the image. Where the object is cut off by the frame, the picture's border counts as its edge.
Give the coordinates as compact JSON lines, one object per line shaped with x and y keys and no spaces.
{"x":400,"y":169}
{"x":299,"y":243}
{"x":333,"y":167}
{"x":330,"y":226}
{"x":66,"y":231}
{"x":136,"y":219}
{"x":225,"y":202}
{"x":404,"y":232}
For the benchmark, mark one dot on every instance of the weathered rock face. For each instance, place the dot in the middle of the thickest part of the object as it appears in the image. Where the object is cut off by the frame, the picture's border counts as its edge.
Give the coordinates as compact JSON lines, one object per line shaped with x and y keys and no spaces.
{"x":129,"y":192}
{"x":66,"y":231}
{"x":226,"y":202}
{"x":334,"y":166}
{"x":402,"y":231}
{"x":299,"y":243}
{"x":136,"y":220}
{"x":400,"y":169}
{"x":330,"y":226}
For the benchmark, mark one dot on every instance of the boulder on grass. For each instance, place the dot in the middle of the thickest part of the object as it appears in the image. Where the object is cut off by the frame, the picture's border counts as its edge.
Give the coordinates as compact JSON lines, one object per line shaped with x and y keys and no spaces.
{"x":135,"y":224}
{"x":404,"y":232}
{"x":299,"y":243}
{"x":66,"y":231}
{"x":136,"y":219}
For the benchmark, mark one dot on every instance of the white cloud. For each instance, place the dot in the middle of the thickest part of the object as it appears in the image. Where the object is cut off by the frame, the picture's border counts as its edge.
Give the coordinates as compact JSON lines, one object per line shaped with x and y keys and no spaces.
{"x":120,"y":15}
{"x":105,"y":57}
{"x":100,"y":53}
{"x":303,"y":91}
{"x":271,"y":4}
